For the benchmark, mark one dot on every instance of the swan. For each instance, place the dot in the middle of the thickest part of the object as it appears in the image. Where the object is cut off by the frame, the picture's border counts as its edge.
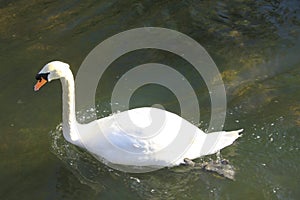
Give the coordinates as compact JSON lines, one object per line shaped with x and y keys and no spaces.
{"x":120,"y":141}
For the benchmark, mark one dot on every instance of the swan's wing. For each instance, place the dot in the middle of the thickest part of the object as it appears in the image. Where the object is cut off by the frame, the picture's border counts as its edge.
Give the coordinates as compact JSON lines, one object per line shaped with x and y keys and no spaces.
{"x":148,"y":136}
{"x":141,"y":130}
{"x":144,"y":136}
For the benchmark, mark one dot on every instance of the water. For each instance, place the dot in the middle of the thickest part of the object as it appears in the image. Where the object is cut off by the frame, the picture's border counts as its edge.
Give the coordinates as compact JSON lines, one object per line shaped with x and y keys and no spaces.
{"x":254,"y":44}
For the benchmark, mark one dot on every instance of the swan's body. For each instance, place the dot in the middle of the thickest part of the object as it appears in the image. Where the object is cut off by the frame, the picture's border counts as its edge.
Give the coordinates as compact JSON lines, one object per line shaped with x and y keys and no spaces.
{"x":133,"y":143}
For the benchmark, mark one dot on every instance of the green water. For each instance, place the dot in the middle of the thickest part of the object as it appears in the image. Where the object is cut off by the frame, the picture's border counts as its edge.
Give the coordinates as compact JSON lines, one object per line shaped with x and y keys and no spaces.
{"x":254,"y":44}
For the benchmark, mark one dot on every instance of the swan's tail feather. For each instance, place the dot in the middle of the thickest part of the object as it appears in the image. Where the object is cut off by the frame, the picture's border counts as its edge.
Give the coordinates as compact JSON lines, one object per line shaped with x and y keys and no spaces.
{"x":219,"y":140}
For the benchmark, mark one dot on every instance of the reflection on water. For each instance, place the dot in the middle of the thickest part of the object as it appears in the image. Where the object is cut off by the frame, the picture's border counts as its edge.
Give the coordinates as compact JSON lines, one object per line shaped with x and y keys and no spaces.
{"x":255,"y":45}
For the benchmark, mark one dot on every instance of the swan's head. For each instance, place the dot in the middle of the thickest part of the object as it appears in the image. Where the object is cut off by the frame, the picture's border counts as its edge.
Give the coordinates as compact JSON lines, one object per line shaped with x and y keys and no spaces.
{"x":51,"y":71}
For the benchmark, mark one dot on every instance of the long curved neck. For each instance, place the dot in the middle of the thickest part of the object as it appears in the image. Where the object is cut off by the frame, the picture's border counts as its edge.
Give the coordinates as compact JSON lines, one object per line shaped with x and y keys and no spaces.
{"x":69,"y":118}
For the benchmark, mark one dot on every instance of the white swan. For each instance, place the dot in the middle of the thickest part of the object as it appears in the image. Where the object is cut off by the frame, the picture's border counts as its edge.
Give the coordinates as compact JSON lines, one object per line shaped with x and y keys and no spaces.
{"x":129,"y":141}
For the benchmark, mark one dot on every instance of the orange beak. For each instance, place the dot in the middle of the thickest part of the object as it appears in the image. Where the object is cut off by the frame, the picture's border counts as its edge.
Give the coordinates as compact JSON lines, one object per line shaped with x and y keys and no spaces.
{"x":39,"y":84}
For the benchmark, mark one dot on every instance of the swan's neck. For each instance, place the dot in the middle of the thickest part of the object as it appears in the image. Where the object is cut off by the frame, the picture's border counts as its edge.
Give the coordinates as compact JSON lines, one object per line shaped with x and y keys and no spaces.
{"x":69,"y":118}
